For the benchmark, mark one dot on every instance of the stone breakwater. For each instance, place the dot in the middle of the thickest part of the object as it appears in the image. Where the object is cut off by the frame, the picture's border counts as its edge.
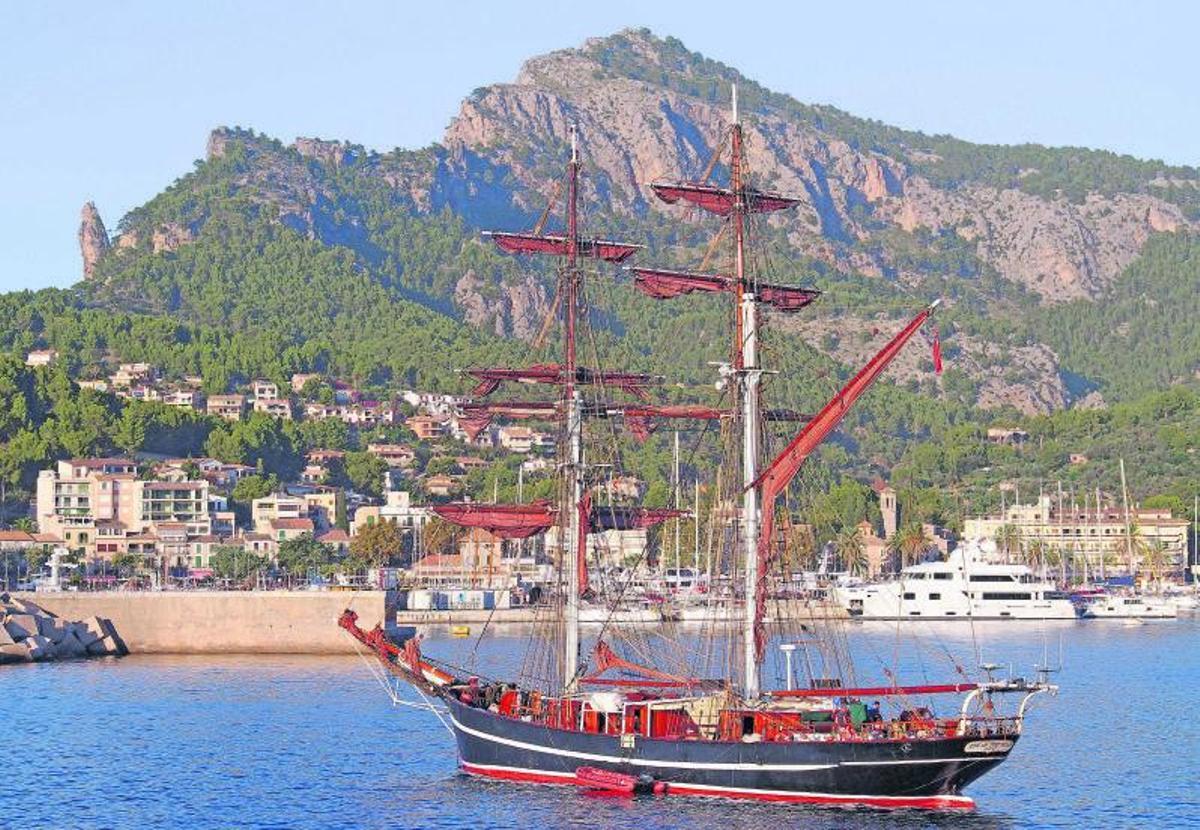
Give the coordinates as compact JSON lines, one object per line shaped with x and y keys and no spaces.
{"x":30,"y":633}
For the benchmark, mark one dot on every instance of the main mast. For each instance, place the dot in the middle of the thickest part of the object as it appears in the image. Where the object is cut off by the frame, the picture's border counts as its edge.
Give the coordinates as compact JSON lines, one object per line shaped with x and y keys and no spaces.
{"x":573,"y":466}
{"x":746,"y":363}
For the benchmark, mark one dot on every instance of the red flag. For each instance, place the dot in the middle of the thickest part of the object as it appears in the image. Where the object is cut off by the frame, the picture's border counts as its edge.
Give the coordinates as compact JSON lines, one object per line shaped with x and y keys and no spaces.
{"x":937,"y":352}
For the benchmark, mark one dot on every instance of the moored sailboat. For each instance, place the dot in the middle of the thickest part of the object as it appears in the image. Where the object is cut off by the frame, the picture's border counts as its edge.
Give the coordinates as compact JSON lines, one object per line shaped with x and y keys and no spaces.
{"x":650,"y":719}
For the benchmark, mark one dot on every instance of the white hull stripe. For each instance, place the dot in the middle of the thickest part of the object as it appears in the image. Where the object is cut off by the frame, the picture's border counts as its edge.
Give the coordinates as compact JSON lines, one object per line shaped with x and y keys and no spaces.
{"x":569,"y":778}
{"x":650,"y":762}
{"x":918,"y":761}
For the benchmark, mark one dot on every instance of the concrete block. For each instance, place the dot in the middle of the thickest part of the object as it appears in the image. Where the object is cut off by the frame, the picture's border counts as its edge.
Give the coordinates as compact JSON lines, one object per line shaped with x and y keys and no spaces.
{"x":28,"y":606}
{"x":90,"y":630}
{"x":21,"y":626}
{"x":51,"y":627}
{"x":13,"y":653}
{"x":6,"y":639}
{"x":39,"y":647}
{"x":105,"y":647}
{"x":83,"y":633}
{"x":70,"y":648}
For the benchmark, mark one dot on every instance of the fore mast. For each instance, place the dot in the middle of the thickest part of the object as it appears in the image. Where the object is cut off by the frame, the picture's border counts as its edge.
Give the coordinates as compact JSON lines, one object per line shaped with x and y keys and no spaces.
{"x":748,"y":374}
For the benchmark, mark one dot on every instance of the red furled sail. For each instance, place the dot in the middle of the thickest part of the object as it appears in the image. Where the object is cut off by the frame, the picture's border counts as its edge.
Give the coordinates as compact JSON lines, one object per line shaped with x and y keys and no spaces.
{"x":476,"y":417}
{"x":937,"y":353}
{"x":637,"y":418}
{"x":786,"y":297}
{"x":776,"y":477}
{"x":508,"y":521}
{"x":614,"y":517}
{"x":529,"y":243}
{"x":664,"y":284}
{"x":604,"y":659}
{"x":584,"y":507}
{"x":720,"y":200}
{"x":552,"y":373}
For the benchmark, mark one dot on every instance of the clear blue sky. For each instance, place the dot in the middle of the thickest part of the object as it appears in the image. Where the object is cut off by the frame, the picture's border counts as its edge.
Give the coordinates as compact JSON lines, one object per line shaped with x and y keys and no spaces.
{"x":113,"y":101}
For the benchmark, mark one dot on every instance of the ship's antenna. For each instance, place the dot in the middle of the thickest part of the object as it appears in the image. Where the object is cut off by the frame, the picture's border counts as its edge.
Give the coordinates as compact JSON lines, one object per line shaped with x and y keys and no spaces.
{"x":735,"y":107}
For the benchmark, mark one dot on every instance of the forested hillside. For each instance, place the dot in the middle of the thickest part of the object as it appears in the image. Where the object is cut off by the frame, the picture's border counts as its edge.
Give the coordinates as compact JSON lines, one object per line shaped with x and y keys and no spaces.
{"x":1069,"y":274}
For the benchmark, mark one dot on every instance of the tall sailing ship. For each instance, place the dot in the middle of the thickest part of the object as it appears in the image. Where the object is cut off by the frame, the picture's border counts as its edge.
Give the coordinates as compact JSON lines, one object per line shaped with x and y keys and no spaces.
{"x":688,"y":714}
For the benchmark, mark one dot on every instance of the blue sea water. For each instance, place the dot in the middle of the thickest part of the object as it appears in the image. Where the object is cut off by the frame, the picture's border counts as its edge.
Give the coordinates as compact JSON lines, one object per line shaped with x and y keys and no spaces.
{"x":298,"y":742}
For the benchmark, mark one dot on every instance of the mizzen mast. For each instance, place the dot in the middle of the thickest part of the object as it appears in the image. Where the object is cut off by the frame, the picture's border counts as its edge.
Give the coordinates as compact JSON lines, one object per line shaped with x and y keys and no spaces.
{"x":573,"y":464}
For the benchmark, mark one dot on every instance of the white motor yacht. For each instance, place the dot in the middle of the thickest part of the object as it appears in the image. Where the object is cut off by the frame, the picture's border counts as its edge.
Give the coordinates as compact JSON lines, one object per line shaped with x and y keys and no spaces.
{"x":1128,"y":606}
{"x":970,"y":584}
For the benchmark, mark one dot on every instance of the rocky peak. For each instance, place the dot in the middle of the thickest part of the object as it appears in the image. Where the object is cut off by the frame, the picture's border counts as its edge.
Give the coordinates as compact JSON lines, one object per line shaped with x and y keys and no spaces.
{"x":93,"y":238}
{"x":647,"y":107}
{"x":511,"y":310}
{"x":335,"y":153}
{"x":218,"y":141}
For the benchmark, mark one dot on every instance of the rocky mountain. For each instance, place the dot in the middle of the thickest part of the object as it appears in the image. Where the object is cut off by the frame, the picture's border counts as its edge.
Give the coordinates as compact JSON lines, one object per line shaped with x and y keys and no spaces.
{"x":889,"y":218}
{"x":93,"y":238}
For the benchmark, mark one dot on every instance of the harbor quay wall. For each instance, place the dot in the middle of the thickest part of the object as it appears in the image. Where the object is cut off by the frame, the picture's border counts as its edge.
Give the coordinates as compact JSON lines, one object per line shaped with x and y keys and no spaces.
{"x":265,"y":622}
{"x":223,"y":622}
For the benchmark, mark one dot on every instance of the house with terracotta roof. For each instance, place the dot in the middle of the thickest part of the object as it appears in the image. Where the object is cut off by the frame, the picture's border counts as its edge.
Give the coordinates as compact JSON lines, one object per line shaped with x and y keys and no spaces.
{"x":286,"y":529}
{"x":336,"y":538}
{"x":396,"y":455}
{"x":441,"y":485}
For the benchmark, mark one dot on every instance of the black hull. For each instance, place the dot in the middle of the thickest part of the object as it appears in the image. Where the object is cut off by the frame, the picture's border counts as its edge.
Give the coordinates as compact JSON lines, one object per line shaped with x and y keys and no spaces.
{"x":927,"y":774}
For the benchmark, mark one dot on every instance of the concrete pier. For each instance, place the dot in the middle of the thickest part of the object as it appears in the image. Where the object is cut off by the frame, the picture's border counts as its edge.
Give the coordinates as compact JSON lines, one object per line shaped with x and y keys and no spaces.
{"x":223,"y":622}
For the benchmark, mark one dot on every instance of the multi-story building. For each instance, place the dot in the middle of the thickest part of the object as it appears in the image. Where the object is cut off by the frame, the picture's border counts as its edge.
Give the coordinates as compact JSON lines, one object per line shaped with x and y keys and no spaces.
{"x":264,"y":389}
{"x":229,"y":407}
{"x":275,"y":507}
{"x":275,"y":407}
{"x":128,"y":374}
{"x":516,"y":438}
{"x":41,"y":357}
{"x":186,"y":398}
{"x":1092,"y":536}
{"x":396,"y":455}
{"x":99,"y":505}
{"x":425,"y":427}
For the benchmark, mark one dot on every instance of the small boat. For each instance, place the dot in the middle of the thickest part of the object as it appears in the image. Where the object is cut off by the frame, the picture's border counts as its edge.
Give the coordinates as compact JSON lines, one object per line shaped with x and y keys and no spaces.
{"x":460,"y":631}
{"x":620,"y":614}
{"x":1128,"y":606}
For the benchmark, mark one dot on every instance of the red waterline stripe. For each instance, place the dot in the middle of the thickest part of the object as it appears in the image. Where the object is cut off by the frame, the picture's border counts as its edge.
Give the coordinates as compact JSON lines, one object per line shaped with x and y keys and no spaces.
{"x":524,"y":776}
{"x":933,"y":802}
{"x":947,"y":802}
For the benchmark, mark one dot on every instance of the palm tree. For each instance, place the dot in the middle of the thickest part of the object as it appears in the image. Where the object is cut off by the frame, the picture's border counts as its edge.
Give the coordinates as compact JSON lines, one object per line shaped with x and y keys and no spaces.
{"x":1154,"y":558}
{"x":1034,"y":554}
{"x":850,"y":550}
{"x":909,"y":543}
{"x":1008,"y":540}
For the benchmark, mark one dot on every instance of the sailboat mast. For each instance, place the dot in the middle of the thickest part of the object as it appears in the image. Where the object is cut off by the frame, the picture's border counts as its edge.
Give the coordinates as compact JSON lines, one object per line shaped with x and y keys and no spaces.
{"x":573,"y":469}
{"x":1128,"y":527}
{"x":746,"y":361}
